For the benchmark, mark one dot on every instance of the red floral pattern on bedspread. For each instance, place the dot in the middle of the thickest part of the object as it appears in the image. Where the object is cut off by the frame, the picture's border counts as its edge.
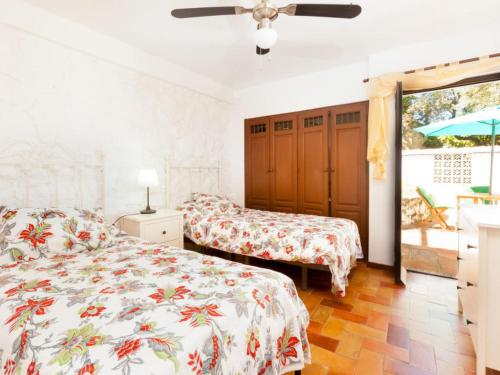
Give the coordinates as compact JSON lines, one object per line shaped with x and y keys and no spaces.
{"x":138,"y":308}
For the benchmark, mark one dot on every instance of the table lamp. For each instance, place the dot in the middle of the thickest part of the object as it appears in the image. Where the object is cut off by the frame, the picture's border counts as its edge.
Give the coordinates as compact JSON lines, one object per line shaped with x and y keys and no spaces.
{"x":148,"y":178}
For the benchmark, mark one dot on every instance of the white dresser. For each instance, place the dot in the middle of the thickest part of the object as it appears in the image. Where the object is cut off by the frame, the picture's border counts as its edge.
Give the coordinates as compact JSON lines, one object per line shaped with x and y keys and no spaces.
{"x":165,"y":226}
{"x":479,"y":281}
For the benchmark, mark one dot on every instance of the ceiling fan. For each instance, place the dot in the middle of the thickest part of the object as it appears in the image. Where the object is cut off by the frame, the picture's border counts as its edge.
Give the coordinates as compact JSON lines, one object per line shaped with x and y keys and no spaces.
{"x":265,"y":13}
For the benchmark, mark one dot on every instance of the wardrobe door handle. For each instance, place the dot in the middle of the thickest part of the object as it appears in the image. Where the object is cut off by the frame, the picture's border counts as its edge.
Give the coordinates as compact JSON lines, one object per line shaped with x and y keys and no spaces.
{"x":459,"y":259}
{"x":468,"y":322}
{"x":470,"y":284}
{"x":459,"y":287}
{"x":469,"y":246}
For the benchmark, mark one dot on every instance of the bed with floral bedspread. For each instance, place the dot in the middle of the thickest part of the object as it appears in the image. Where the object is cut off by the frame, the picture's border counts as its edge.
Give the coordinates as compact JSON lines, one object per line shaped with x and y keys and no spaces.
{"x":140,"y":308}
{"x":220,"y":224}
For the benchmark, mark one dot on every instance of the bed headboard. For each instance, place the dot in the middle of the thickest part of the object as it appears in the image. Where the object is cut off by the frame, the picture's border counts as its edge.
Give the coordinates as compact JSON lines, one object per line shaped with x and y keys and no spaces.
{"x":48,"y":176}
{"x":184,"y":179}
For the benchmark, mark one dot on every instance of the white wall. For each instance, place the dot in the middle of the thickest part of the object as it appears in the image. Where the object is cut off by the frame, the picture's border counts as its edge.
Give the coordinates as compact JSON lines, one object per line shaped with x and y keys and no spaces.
{"x":418,"y":170}
{"x":63,"y":86}
{"x":343,"y":85}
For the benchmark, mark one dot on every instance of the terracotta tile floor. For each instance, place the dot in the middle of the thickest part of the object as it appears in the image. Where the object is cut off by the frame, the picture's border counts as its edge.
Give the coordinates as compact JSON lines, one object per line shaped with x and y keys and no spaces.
{"x":381,"y":328}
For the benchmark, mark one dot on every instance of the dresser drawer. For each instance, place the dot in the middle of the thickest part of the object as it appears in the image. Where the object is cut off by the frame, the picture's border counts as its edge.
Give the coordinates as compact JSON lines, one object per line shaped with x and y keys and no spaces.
{"x":162,"y":231}
{"x":468,"y":265}
{"x":469,"y":298}
{"x":468,"y":236}
{"x":473,"y":334}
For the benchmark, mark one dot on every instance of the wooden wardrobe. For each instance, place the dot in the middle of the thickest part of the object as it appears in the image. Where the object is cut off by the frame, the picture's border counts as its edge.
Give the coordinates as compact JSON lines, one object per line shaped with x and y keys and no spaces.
{"x":311,"y":162}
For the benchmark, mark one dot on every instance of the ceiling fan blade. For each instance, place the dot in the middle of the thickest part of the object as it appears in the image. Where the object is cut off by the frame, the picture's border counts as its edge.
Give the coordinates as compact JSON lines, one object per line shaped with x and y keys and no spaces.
{"x":322,"y":10}
{"x":262,"y":51}
{"x":209,"y":11}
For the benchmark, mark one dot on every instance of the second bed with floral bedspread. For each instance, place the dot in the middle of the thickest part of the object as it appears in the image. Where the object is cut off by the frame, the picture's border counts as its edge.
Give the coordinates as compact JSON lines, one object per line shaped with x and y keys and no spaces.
{"x":309,"y":239}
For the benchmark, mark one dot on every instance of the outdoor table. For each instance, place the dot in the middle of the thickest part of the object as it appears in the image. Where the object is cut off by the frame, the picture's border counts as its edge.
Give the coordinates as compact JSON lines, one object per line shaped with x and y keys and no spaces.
{"x":479,"y":198}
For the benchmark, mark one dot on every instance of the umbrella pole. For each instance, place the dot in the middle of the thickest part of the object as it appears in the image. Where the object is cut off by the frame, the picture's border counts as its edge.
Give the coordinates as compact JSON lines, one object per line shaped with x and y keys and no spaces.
{"x":493,"y":136}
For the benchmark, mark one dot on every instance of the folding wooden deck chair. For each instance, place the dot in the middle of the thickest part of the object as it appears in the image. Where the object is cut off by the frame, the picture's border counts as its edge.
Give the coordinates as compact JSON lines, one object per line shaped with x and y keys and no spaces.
{"x":437,"y":212}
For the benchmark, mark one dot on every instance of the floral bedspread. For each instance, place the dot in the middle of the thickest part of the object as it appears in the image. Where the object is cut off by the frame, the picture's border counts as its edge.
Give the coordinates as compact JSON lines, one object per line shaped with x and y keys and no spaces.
{"x":329,"y":241}
{"x":139,"y":308}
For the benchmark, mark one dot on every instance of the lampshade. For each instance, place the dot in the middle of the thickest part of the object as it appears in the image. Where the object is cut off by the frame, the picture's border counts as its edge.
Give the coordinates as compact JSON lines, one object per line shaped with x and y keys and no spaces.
{"x":265,"y":36}
{"x":147,"y":177}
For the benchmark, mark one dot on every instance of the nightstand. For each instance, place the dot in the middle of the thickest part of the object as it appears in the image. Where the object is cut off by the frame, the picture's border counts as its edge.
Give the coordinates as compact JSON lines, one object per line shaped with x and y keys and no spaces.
{"x":165,"y":226}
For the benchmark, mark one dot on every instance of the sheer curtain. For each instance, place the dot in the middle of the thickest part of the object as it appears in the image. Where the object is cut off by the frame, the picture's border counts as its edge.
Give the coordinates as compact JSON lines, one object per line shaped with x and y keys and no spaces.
{"x":382,"y":88}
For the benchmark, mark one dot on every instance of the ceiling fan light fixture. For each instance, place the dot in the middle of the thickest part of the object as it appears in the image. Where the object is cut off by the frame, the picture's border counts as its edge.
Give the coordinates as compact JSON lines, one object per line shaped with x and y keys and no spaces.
{"x":265,"y":36}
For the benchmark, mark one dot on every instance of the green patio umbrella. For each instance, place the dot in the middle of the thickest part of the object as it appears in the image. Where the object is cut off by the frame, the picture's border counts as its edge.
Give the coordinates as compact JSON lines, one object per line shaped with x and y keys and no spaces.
{"x":483,"y":122}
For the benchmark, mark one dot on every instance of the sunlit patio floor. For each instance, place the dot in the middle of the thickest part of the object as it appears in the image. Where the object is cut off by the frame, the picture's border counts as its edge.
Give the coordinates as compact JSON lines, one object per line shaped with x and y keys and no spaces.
{"x":430,"y":249}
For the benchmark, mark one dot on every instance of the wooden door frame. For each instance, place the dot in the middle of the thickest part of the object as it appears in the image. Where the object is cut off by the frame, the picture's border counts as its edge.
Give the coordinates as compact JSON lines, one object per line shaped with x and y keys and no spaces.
{"x":399,"y":149}
{"x":397,"y":179}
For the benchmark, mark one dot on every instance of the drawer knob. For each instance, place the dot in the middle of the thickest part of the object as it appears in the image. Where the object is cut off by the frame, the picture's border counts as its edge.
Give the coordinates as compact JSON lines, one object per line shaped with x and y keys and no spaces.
{"x":459,"y":287}
{"x":459,"y":259}
{"x":470,"y":284}
{"x":469,"y":246}
{"x":468,"y":322}
{"x":164,"y":232}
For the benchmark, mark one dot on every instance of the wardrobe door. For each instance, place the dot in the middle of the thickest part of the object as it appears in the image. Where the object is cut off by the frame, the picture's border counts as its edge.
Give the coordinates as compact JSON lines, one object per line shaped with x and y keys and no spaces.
{"x":313,"y":162}
{"x":257,"y":170}
{"x":283,"y":163}
{"x":349,"y":185}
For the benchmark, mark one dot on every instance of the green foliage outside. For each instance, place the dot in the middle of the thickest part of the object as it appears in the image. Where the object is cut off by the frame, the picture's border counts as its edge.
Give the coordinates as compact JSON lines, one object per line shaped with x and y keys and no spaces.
{"x":428,"y":107}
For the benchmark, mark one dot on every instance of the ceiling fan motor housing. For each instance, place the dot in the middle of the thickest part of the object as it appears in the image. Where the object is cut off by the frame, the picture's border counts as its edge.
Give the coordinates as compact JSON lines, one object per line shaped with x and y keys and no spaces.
{"x":265,"y":10}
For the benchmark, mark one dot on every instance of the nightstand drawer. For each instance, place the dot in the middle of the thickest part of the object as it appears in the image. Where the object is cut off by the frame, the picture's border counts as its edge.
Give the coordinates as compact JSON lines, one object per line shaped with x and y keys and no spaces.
{"x":162,"y":231}
{"x":163,"y":227}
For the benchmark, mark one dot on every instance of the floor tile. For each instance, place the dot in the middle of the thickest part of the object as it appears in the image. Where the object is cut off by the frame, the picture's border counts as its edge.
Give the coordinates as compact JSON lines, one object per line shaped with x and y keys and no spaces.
{"x":333,"y":327}
{"x":321,"y":314}
{"x":398,"y":336}
{"x":314,"y":327}
{"x":422,"y":356}
{"x":445,"y":368}
{"x":377,"y":299}
{"x":324,"y":342}
{"x":387,"y":349}
{"x":350,"y":345}
{"x":365,"y":331}
{"x":369,"y":363}
{"x":396,"y":367}
{"x":336,"y":364}
{"x":335,"y":304}
{"x":346,"y":315}
{"x":342,"y":366}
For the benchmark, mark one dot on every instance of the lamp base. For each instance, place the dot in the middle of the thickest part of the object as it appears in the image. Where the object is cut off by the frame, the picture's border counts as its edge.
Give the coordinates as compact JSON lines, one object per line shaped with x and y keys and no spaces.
{"x":148,"y":211}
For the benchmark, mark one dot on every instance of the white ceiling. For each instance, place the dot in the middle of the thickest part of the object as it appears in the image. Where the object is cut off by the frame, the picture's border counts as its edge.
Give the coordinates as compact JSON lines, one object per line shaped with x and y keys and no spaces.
{"x":222,"y":48}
